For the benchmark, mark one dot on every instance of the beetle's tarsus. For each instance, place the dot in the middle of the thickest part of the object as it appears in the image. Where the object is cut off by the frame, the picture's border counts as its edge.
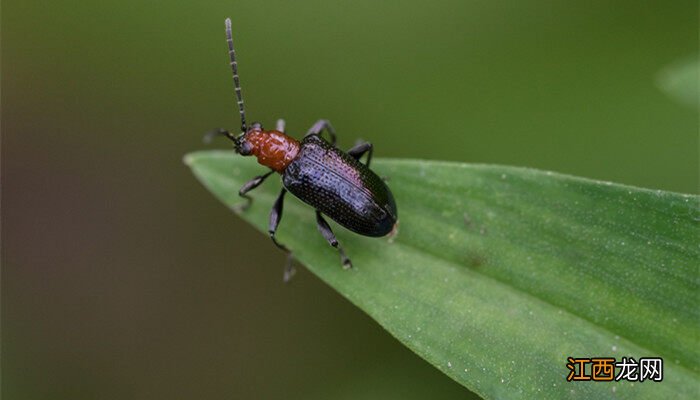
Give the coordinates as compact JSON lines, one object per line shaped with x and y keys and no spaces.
{"x":280,"y":125}
{"x":347,"y":264}
{"x":209,"y":136}
{"x":327,"y":234}
{"x":289,"y":270}
{"x":241,"y":207}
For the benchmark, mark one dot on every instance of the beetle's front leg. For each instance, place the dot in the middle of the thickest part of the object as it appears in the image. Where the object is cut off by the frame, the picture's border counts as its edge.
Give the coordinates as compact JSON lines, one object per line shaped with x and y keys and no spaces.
{"x":361,"y":149}
{"x":280,"y":125}
{"x":218,"y":132}
{"x":250,"y":185}
{"x":275,"y":218}
{"x":327,"y":233}
{"x":319,"y":126}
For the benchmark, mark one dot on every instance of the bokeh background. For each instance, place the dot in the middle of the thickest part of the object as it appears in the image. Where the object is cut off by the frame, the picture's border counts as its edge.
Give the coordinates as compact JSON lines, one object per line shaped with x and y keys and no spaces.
{"x":123,"y":278}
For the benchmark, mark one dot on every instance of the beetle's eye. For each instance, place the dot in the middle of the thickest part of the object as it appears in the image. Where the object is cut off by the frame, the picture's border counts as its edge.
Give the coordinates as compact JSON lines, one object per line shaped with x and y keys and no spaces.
{"x":245,"y":149}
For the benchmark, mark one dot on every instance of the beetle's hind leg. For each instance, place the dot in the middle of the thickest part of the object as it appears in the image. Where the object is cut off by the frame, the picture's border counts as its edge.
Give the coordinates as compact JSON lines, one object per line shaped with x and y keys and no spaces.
{"x":250,"y":185}
{"x":360,"y":149}
{"x":275,"y":218}
{"x":319,"y":126}
{"x":327,"y":233}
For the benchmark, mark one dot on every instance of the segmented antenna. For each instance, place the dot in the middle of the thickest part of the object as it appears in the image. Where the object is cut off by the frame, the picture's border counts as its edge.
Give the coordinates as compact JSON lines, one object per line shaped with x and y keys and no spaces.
{"x":236,"y":80}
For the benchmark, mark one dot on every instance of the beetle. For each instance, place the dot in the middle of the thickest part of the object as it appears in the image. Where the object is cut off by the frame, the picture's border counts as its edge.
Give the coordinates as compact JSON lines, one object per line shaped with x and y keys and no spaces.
{"x":335,"y":183}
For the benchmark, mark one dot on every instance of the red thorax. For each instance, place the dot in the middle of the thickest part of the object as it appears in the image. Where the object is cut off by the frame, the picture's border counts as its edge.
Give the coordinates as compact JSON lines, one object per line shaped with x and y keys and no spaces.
{"x":273,"y":149}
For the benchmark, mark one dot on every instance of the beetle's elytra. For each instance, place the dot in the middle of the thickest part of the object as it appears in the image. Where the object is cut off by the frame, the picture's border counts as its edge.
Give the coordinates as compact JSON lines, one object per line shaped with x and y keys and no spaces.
{"x":338,"y":185}
{"x":335,"y":183}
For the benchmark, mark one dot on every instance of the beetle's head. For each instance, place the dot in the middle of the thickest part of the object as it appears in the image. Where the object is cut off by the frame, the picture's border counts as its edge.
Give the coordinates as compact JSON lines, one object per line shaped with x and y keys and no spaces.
{"x":240,"y":142}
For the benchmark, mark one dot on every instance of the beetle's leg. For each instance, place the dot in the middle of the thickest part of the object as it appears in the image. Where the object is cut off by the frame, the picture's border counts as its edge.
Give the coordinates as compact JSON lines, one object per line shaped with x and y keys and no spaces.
{"x":218,"y":132}
{"x":275,"y":218}
{"x":250,"y":185}
{"x":280,"y":125}
{"x":319,"y":126}
{"x":327,"y":233}
{"x":361,"y":149}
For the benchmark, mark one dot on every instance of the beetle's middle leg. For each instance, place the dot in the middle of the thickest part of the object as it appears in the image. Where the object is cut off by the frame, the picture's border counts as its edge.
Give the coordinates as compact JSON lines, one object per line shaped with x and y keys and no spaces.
{"x":358,"y":150}
{"x":327,"y":233}
{"x":250,"y":185}
{"x":319,"y":126}
{"x":275,"y":218}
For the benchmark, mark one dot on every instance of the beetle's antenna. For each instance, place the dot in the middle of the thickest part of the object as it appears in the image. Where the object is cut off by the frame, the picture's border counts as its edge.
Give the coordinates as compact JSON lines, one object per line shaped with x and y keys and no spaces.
{"x":234,"y":69}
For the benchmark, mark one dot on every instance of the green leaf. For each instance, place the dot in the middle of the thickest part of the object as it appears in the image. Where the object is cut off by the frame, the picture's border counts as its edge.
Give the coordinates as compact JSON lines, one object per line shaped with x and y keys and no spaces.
{"x":498,"y":274}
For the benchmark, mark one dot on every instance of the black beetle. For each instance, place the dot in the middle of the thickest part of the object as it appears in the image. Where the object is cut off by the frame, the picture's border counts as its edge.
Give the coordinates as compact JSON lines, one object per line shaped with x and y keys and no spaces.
{"x":333,"y":182}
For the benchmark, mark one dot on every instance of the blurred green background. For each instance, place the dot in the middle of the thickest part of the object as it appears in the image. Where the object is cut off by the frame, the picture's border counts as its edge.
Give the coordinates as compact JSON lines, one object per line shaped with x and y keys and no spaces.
{"x":123,"y":278}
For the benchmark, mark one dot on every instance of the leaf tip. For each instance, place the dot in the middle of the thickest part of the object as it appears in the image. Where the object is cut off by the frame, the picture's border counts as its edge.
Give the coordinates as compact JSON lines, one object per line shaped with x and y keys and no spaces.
{"x":189,"y":159}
